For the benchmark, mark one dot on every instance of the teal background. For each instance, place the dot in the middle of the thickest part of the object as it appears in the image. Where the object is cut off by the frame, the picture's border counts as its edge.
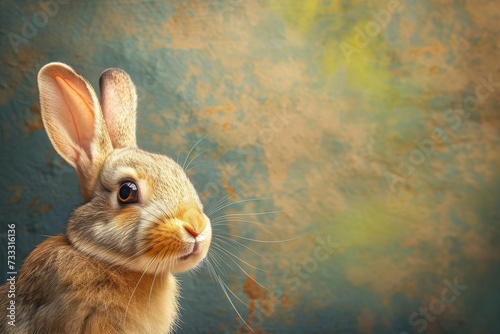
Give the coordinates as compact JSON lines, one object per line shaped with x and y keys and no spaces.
{"x":304,"y":114}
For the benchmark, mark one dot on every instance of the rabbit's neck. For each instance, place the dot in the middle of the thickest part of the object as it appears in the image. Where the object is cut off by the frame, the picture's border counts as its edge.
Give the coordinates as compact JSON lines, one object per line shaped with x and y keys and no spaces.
{"x":148,"y":301}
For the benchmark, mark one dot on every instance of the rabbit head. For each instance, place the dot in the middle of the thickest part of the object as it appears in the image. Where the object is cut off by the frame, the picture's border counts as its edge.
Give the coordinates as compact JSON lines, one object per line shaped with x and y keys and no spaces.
{"x":140,"y":209}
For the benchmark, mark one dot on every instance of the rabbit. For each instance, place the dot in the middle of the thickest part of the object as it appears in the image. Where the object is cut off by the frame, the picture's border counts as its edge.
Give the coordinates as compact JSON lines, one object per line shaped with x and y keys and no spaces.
{"x":140,"y":223}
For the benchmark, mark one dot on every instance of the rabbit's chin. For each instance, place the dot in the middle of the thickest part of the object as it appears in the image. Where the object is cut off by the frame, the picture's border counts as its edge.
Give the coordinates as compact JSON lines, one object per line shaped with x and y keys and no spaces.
{"x":188,"y":262}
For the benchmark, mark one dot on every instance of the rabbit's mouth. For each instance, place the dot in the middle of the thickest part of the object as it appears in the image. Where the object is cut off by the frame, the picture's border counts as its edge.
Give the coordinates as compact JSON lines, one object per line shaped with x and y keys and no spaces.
{"x":194,"y":250}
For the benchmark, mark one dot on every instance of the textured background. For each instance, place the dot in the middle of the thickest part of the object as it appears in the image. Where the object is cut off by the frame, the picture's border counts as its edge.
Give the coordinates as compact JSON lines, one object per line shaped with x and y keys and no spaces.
{"x":378,"y":144}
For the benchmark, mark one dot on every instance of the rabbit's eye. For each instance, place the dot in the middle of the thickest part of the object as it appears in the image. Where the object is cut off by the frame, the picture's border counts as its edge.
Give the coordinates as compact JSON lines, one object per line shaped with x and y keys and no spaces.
{"x":127,"y":193}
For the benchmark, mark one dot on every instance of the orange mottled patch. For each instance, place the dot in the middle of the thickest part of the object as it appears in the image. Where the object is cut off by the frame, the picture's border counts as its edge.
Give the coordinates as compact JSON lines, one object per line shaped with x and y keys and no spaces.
{"x":285,"y":301}
{"x":410,"y":242}
{"x":17,"y":193}
{"x":193,"y":217}
{"x":228,"y":188}
{"x":34,"y":123}
{"x":255,"y":294}
{"x":218,"y":109}
{"x":35,"y":205}
{"x":366,"y":321}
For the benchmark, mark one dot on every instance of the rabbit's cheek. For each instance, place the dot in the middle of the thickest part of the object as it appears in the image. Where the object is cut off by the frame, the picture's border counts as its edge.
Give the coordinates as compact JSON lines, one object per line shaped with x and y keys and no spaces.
{"x":162,"y":242}
{"x":127,"y":217}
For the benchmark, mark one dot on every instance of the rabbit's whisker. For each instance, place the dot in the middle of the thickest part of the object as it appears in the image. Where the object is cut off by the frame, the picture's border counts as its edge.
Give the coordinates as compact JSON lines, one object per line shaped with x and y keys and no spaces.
{"x":217,"y":257}
{"x":223,"y":221}
{"x":224,"y":251}
{"x":265,"y":241}
{"x":251,"y":214}
{"x":207,"y":262}
{"x":214,"y":210}
{"x":249,"y":276}
{"x":228,"y":240}
{"x":196,"y":166}
{"x":247,"y":272}
{"x":153,"y":283}
{"x":225,"y":289}
{"x":178,"y":153}
{"x":238,"y":191}
{"x":187,"y":166}
{"x":192,"y":148}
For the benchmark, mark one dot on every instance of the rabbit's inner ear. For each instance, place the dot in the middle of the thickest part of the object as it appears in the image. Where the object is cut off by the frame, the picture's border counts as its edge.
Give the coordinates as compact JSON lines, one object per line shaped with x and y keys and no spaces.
{"x":76,"y":116}
{"x":119,"y":104}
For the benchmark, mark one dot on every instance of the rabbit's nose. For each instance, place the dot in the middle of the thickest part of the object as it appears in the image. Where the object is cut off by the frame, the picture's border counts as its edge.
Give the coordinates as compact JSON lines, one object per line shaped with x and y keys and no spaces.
{"x":193,"y":219}
{"x":191,"y":231}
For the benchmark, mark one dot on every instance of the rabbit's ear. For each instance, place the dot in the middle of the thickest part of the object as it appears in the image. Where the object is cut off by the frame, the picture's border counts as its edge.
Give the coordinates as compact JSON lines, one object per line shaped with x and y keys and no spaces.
{"x":73,"y":120}
{"x":119,"y":105}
